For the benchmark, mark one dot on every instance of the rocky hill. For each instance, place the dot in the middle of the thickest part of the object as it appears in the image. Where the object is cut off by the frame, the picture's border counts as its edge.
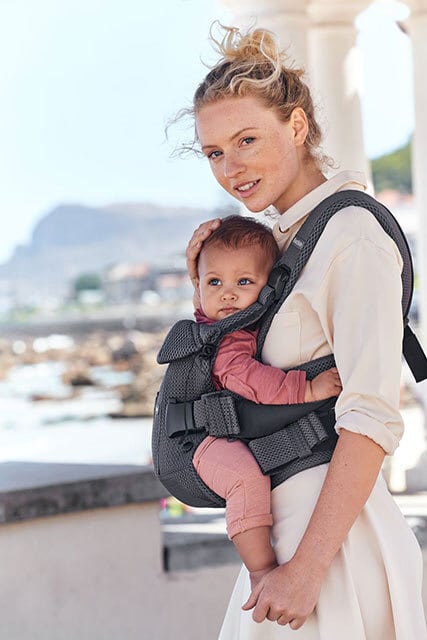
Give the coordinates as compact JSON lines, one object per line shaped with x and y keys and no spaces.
{"x":72,"y":239}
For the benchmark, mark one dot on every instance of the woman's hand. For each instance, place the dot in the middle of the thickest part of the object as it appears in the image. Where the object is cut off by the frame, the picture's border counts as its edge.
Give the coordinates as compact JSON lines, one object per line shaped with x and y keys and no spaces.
{"x":287,"y":594}
{"x":194,"y":246}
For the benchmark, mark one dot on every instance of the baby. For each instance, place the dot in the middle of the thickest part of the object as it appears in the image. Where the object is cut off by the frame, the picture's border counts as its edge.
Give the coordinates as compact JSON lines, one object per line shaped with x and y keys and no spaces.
{"x":233,"y":267}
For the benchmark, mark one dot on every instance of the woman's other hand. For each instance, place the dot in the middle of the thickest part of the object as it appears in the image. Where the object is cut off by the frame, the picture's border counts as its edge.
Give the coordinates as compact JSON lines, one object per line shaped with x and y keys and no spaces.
{"x":202,"y":232}
{"x":286,"y":595}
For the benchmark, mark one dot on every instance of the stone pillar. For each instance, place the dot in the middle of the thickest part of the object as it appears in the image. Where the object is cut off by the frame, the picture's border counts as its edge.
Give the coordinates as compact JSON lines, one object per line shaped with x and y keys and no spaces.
{"x":287,"y":18}
{"x":417,"y":30}
{"x":336,"y":78}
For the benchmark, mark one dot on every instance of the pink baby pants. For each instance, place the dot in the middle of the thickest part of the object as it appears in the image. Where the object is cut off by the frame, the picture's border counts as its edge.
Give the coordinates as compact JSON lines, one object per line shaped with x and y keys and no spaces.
{"x":229,"y":469}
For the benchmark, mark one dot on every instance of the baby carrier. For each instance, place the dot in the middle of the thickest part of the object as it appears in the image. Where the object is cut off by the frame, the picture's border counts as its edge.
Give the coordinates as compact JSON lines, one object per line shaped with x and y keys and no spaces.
{"x":284,"y":439}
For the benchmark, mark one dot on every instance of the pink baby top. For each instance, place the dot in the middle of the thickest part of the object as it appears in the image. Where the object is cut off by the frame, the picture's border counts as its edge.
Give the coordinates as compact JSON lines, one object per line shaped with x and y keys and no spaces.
{"x":236,"y":369}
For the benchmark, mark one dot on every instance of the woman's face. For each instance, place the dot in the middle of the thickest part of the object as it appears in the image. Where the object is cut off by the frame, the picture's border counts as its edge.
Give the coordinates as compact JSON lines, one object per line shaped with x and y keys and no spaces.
{"x":256,"y":157}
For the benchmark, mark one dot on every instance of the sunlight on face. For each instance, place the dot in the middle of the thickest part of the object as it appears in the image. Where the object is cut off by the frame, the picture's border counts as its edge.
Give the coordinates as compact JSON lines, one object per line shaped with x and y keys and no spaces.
{"x":254,"y":156}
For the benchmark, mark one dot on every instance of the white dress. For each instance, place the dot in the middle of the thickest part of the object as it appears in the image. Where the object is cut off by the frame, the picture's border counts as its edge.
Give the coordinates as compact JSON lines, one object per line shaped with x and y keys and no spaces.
{"x":347,"y":301}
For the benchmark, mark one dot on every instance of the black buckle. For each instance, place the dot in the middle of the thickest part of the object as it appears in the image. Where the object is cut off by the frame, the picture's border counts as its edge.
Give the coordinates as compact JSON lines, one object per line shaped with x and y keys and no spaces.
{"x":179,"y":418}
{"x":278,"y":278}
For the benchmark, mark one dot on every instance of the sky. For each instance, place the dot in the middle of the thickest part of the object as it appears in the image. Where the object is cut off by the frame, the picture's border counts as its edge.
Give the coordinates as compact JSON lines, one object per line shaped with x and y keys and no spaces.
{"x":87,"y":87}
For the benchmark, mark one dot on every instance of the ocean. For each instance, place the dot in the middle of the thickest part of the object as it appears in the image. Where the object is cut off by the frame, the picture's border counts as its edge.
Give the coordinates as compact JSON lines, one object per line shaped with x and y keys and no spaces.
{"x":62,"y":429}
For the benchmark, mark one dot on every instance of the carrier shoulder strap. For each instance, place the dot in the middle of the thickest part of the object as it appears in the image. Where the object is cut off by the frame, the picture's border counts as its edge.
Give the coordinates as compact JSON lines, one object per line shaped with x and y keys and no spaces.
{"x":287,"y":270}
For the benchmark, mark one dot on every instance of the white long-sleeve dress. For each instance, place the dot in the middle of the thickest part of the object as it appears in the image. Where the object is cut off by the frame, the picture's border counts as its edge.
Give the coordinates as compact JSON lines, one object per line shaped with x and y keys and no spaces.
{"x":346,"y":301}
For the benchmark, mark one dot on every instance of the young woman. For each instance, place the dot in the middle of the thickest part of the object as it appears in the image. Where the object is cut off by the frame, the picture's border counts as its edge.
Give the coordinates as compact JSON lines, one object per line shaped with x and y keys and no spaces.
{"x":349,"y":566}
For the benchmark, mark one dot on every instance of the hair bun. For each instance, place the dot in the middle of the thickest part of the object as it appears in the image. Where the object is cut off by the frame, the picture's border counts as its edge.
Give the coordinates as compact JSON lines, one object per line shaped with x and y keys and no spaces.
{"x":255,"y":46}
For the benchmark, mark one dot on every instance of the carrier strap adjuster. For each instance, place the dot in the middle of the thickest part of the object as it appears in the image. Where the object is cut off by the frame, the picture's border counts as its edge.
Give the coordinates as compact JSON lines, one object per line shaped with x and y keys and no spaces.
{"x":296,"y":441}
{"x":217,"y":414}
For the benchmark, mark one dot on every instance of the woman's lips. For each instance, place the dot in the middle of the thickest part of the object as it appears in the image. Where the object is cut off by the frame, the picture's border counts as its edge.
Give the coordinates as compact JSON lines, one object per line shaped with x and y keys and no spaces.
{"x":247,"y":188}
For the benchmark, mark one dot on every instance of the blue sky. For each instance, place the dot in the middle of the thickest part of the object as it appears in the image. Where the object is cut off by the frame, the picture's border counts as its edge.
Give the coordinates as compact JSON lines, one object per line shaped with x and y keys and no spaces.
{"x":86,"y":87}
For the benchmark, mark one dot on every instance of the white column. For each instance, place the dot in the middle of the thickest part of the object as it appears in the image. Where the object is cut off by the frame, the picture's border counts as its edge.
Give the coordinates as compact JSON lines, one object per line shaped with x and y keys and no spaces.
{"x":287,"y":18}
{"x":336,"y":79}
{"x":417,"y":30}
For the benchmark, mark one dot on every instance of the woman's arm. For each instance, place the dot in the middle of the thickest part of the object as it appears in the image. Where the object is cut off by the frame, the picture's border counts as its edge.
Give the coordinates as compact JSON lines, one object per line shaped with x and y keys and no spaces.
{"x":291,"y":591}
{"x":359,"y":307}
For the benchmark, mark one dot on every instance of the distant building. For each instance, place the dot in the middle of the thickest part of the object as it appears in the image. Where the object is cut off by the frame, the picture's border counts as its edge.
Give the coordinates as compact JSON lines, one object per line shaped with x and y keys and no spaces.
{"x":173,"y":284}
{"x":124,"y":283}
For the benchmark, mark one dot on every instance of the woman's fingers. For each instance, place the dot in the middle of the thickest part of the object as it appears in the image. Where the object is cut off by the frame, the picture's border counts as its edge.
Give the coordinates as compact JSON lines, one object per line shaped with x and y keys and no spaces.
{"x":296,"y":623}
{"x":261,"y":611}
{"x":195,"y":244}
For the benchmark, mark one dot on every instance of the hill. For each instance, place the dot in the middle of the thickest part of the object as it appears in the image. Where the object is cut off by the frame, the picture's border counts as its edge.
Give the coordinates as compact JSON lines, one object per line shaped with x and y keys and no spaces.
{"x":73,"y":238}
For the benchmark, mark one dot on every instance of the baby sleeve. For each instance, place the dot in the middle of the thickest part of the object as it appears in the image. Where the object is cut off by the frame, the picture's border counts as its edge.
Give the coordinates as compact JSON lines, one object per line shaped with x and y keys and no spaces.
{"x":236,"y":369}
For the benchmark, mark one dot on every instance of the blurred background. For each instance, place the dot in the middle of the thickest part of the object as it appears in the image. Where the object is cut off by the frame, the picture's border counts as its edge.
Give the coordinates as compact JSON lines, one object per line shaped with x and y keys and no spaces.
{"x":96,"y":211}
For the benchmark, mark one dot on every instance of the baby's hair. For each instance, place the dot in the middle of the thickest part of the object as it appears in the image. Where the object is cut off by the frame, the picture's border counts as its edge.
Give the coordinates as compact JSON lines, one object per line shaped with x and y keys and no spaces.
{"x":253,"y":64}
{"x":236,"y":232}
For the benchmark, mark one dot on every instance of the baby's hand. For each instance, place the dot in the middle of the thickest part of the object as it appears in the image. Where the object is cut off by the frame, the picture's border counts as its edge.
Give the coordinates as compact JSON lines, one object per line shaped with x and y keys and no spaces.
{"x":257,"y":576}
{"x":325,"y":385}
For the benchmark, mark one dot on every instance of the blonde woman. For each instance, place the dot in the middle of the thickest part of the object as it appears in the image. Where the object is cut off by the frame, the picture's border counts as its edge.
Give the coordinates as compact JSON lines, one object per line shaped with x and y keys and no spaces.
{"x":349,"y":566}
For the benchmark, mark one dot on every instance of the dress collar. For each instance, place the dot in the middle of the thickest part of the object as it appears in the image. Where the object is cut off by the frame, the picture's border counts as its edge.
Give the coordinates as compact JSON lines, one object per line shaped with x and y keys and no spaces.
{"x":288,"y":221}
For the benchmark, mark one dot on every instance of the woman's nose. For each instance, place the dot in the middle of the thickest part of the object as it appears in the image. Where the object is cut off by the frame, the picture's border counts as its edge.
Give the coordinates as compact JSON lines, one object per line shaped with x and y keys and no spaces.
{"x":233,"y":166}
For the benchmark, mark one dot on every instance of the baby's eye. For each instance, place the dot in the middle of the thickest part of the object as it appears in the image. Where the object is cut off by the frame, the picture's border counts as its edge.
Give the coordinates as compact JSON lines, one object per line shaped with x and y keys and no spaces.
{"x":245,"y":281}
{"x":214,"y":282}
{"x":247,"y":140}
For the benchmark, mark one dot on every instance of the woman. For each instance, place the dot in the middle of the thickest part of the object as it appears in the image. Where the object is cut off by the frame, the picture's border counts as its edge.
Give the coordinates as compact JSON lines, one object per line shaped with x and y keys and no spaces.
{"x":350,"y":566}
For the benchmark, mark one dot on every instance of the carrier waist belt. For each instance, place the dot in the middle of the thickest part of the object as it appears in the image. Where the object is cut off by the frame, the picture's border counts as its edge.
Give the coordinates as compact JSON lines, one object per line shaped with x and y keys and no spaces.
{"x":224,"y":416}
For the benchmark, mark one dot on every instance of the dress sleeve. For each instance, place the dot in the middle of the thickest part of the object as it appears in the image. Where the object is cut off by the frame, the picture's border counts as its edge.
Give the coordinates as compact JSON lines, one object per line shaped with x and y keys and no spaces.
{"x":236,"y":369}
{"x":359,"y":306}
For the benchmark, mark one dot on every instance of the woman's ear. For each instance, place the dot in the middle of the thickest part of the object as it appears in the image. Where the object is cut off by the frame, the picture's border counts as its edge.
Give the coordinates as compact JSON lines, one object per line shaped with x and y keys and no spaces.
{"x":299,"y":124}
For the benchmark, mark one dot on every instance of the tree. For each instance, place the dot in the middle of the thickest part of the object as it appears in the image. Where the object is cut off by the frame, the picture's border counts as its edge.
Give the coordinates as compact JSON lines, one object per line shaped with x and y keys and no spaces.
{"x":393,"y":170}
{"x":87,"y":282}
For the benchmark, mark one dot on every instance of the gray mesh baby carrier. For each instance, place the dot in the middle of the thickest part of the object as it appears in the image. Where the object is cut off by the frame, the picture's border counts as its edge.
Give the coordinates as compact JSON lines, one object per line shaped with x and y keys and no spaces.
{"x":284,"y":439}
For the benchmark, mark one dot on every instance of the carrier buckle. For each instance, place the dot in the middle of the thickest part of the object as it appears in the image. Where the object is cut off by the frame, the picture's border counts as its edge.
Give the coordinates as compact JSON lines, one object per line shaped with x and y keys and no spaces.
{"x":278,"y":279}
{"x":179,"y":418}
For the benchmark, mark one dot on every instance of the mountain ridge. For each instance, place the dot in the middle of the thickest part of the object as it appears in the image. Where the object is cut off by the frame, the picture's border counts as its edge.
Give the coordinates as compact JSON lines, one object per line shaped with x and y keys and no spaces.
{"x":74,"y":238}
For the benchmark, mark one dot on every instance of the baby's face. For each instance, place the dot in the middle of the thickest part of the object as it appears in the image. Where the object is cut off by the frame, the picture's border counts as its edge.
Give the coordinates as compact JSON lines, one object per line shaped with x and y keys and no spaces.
{"x":231,"y":279}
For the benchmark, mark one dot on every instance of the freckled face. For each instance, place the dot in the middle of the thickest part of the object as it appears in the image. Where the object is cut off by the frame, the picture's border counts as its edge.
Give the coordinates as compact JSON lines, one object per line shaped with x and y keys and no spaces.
{"x":230,"y":279}
{"x":256,"y":157}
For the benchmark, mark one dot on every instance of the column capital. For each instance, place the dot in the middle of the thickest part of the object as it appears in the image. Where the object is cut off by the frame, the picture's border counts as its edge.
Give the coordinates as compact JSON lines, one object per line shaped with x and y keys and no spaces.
{"x":335,"y":12}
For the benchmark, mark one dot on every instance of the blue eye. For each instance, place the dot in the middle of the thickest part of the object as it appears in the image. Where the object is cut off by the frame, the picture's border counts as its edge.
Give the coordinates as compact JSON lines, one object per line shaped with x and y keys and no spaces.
{"x":214,"y":154}
{"x":214,"y":282}
{"x":244,"y":281}
{"x":247,"y":140}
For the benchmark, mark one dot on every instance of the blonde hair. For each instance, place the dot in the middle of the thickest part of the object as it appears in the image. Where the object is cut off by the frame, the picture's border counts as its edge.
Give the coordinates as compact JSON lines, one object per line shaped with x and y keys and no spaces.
{"x":253,"y":64}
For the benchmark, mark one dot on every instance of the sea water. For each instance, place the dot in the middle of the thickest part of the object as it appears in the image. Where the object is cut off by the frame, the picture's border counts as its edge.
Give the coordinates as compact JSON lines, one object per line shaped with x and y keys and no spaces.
{"x":66,"y":429}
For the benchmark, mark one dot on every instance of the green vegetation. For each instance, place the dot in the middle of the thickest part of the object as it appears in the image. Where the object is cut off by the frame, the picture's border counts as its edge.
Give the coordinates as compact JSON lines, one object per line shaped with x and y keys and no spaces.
{"x":393,"y":171}
{"x":87,"y":282}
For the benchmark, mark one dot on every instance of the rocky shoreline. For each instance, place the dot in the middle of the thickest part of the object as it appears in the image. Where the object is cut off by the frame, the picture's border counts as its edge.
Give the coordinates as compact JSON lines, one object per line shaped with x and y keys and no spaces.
{"x":119,"y":351}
